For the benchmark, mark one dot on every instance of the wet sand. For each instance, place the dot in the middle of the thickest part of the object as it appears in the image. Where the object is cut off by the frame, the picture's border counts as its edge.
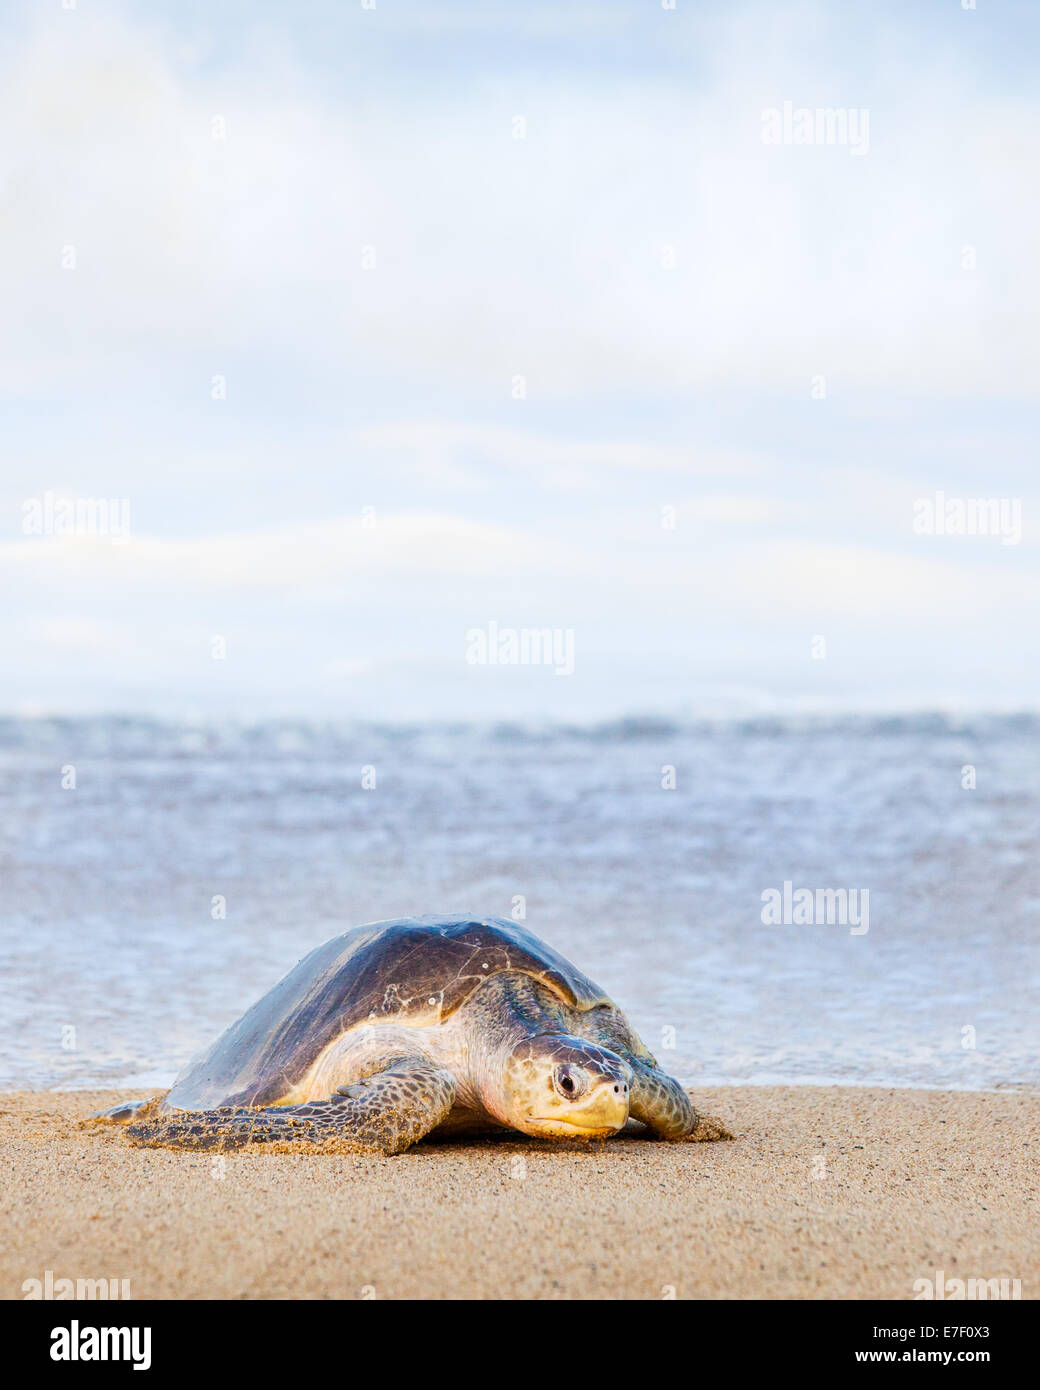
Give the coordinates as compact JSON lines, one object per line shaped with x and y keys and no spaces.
{"x":827,"y":1192}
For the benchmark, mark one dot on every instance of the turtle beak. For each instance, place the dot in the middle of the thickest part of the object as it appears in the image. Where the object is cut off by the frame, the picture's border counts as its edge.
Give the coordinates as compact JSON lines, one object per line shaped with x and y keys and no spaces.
{"x":607,"y":1107}
{"x":601,"y":1110}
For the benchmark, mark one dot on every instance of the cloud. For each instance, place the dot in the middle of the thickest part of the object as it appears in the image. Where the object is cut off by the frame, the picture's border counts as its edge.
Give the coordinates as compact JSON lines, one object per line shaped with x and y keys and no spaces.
{"x":724,"y":562}
{"x":338,"y":218}
{"x":645,"y":245}
{"x":731,"y":509}
{"x":68,"y":633}
{"x":315,"y":556}
{"x":857,"y":582}
{"x":432,"y":442}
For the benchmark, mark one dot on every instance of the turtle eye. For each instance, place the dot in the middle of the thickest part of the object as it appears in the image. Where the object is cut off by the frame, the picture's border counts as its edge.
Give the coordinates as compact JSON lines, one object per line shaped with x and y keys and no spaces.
{"x":569,"y":1081}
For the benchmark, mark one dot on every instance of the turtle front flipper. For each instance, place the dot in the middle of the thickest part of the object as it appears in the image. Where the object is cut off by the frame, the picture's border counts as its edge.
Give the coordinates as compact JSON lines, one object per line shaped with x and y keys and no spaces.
{"x":664,"y":1107}
{"x":386,"y":1113}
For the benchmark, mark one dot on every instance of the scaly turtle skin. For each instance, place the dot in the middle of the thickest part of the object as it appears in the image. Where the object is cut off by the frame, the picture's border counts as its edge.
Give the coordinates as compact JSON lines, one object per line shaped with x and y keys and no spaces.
{"x":400,"y":1028}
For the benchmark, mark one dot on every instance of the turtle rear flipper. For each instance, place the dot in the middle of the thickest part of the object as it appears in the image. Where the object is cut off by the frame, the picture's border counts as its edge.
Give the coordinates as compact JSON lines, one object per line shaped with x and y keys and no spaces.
{"x":385,"y":1113}
{"x":120,"y":1114}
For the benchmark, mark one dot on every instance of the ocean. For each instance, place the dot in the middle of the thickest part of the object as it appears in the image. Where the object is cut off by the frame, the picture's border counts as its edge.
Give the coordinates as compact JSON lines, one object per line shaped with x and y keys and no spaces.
{"x":192,"y":864}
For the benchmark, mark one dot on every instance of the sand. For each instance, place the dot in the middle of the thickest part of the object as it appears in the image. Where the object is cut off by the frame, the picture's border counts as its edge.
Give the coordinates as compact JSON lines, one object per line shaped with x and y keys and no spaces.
{"x":827,"y":1192}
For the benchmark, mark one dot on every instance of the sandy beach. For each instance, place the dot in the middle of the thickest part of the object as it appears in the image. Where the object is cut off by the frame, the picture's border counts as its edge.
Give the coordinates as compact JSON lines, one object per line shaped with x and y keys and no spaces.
{"x":827,"y":1192}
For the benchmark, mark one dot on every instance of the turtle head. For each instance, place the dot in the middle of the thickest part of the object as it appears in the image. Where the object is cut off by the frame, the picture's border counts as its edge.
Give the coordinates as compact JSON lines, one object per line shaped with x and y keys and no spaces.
{"x":557,"y":1086}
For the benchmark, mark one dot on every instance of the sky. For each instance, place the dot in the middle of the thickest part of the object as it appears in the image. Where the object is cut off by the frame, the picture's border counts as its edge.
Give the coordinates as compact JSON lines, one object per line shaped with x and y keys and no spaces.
{"x":384,"y":326}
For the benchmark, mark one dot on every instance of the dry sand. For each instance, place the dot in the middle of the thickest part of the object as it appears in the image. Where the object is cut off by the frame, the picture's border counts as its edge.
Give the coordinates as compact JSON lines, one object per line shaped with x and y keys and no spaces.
{"x":910,"y":1182}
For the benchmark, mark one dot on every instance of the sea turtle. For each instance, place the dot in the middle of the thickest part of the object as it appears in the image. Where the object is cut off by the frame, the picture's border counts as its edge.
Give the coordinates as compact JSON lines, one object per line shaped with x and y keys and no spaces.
{"x":399,"y":1028}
